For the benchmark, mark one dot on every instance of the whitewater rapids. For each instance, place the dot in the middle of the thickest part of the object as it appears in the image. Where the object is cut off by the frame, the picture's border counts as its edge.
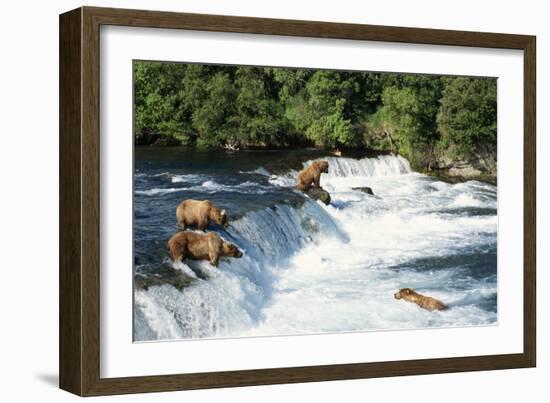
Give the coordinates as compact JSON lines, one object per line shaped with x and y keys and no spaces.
{"x":309,"y":268}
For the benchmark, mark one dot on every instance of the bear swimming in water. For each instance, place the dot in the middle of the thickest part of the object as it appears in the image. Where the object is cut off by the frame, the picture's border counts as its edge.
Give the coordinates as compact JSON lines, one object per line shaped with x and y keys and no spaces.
{"x":429,"y":303}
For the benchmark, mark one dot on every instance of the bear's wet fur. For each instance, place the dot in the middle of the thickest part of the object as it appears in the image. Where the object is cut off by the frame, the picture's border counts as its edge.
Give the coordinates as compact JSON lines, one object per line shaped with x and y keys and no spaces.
{"x":196,"y":246}
{"x":429,"y":303}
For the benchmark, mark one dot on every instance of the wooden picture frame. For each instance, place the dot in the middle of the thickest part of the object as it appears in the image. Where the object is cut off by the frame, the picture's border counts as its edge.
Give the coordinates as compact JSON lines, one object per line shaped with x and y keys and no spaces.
{"x":79,"y":280}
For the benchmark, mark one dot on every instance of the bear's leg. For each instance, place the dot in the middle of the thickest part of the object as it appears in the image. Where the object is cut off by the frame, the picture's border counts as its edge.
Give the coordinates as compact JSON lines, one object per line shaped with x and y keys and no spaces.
{"x":317,"y":180}
{"x":214,"y":260}
{"x":213,"y":255}
{"x":214,"y":249}
{"x":178,"y":250}
{"x":202,"y":224}
{"x":175,"y":253}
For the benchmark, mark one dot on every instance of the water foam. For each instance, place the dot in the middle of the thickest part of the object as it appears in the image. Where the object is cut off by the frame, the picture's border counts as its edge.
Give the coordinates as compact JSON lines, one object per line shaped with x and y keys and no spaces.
{"x":208,"y":187}
{"x":383,"y":165}
{"x":316,"y":268}
{"x":232,"y":297}
{"x":339,"y":167}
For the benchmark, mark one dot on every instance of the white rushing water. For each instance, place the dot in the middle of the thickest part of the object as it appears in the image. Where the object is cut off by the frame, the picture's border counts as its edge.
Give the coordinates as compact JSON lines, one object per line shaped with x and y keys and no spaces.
{"x":317,"y":268}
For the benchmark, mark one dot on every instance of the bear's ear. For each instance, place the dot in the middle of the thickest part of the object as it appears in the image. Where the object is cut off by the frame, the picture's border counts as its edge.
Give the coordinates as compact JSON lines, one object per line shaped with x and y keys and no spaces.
{"x":407,"y":291}
{"x":223,"y":212}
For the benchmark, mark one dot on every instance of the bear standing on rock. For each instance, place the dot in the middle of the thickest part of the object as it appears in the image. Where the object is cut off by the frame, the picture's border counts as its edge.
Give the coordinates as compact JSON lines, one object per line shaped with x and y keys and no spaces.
{"x":198,"y":214}
{"x":311,"y":175}
{"x":309,"y":181}
{"x":200,"y":247}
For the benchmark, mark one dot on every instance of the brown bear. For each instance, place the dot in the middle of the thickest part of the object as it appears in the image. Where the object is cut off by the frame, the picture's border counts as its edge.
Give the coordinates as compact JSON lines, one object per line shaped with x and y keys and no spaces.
{"x":311,"y":175}
{"x":195,"y":246}
{"x":429,"y":303}
{"x":198,"y":214}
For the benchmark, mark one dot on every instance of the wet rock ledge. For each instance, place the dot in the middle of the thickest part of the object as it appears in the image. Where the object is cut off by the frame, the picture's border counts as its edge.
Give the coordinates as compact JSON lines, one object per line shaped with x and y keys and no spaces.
{"x":318,"y":193}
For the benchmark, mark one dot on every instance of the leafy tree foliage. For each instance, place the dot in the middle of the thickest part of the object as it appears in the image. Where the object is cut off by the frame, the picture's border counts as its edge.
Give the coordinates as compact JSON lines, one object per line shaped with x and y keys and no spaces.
{"x":467,"y":116}
{"x":158,"y":98}
{"x":411,"y":106}
{"x":230,"y":106}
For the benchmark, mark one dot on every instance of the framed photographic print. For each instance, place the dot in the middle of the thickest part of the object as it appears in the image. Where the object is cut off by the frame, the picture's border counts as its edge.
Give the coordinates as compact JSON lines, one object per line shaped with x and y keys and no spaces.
{"x":249,"y":201}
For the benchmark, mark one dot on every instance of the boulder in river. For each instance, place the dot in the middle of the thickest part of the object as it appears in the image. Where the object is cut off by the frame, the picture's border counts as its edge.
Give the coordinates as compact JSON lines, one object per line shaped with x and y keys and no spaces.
{"x":364,"y":189}
{"x":158,"y":276}
{"x":318,"y":193}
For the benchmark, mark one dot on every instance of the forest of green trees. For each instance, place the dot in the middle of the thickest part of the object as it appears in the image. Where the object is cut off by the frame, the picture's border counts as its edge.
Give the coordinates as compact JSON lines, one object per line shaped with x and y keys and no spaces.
{"x":419,"y":116}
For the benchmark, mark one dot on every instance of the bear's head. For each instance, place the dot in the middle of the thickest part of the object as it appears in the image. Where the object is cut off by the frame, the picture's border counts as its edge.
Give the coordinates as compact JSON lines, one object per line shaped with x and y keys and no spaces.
{"x":403,"y":293}
{"x":231,"y":250}
{"x":219,"y":217}
{"x":323,"y":166}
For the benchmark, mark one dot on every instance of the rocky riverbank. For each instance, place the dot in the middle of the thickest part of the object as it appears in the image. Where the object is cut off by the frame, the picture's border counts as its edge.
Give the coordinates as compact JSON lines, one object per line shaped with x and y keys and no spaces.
{"x":482,"y":167}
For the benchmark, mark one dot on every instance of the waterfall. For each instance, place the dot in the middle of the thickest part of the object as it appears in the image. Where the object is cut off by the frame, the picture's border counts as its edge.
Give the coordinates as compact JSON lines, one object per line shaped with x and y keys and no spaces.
{"x":311,"y":268}
{"x":383,"y":165}
{"x":231,"y":297}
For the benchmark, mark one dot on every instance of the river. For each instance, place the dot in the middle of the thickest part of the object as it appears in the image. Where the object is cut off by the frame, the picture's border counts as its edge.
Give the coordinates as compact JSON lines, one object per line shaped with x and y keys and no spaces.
{"x":310,"y":268}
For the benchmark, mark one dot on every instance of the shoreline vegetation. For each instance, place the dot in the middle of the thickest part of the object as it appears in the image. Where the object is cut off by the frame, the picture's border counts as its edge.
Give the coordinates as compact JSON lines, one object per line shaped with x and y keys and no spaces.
{"x":445,"y":126}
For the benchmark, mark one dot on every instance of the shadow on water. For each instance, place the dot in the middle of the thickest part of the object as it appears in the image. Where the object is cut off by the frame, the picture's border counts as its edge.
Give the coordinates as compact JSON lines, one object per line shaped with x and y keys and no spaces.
{"x":477,"y":263}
